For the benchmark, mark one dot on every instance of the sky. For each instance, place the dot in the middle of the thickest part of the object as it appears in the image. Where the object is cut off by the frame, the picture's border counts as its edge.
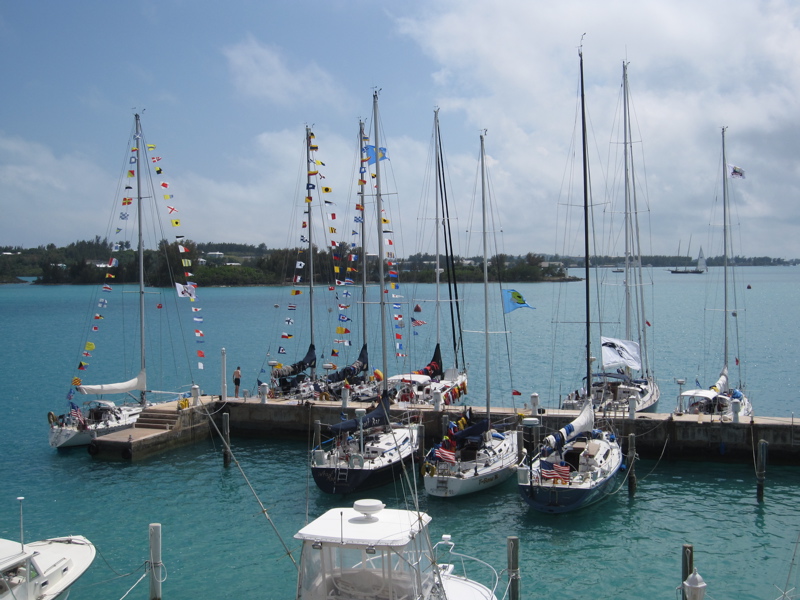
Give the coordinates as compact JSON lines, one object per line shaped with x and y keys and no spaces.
{"x":227,"y":89}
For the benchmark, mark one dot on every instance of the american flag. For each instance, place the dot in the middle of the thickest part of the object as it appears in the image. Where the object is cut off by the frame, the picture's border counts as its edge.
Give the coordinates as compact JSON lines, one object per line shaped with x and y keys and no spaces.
{"x":551,"y":471}
{"x":75,"y":413}
{"x":446,"y":455}
{"x":417,"y":322}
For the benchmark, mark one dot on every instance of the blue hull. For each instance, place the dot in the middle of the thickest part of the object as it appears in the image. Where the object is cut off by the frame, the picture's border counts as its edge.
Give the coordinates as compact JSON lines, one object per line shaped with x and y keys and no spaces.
{"x":344,"y":481}
{"x":562,"y":499}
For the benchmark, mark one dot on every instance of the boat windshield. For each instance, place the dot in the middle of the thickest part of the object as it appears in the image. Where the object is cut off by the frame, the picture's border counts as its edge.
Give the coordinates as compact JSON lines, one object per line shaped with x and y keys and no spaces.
{"x":357,"y":571}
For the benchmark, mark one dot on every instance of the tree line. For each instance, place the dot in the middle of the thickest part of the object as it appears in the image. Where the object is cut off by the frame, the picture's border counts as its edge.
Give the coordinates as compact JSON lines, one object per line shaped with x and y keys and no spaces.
{"x":231,"y":264}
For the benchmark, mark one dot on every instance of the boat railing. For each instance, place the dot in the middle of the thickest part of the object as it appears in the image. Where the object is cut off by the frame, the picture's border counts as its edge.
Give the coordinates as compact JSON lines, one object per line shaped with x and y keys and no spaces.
{"x":463,"y":560}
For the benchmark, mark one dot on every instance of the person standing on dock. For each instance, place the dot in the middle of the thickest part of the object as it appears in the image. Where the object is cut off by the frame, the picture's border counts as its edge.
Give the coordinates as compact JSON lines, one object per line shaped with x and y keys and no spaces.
{"x":237,"y":379}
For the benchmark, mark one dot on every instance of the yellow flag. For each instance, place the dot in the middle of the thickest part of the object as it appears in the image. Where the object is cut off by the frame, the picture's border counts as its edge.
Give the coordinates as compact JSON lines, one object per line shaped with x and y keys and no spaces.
{"x":176,"y":222}
{"x":89,"y":346}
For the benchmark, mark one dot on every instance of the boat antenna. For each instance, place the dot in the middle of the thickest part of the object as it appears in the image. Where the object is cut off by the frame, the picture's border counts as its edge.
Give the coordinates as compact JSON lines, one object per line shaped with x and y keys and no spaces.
{"x":21,"y":530}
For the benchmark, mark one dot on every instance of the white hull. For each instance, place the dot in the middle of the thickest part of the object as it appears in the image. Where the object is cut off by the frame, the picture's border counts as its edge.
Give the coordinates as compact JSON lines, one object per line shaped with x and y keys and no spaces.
{"x":492,"y":466}
{"x":55,"y":563}
{"x":68,"y":434}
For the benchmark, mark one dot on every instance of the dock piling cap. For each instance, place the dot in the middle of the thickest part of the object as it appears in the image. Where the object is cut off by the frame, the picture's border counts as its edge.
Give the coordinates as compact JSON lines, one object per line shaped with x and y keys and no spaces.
{"x":530,"y":422}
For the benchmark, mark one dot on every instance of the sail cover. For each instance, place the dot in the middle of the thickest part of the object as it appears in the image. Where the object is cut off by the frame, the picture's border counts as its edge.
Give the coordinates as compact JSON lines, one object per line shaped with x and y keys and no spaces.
{"x":137,"y":383}
{"x":620,"y":353}
{"x":434,"y":368}
{"x":374,"y":418}
{"x":361,"y":364}
{"x":310,"y":360}
{"x":583,"y":422}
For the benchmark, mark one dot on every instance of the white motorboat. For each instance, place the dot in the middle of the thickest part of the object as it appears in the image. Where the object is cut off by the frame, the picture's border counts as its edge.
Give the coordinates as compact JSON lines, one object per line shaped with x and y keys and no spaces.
{"x":369,"y":552}
{"x":42,"y":570}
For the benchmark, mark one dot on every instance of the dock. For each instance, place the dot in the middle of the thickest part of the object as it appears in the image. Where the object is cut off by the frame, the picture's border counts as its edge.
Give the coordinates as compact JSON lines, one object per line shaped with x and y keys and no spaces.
{"x":667,"y":436}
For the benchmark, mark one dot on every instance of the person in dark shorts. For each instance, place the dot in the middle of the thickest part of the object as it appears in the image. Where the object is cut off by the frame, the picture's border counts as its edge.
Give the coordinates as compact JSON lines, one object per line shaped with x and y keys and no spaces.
{"x":237,"y":379}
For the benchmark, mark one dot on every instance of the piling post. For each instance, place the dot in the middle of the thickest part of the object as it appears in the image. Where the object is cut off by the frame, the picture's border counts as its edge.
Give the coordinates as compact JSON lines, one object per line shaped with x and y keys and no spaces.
{"x":761,"y":468}
{"x":534,"y":404}
{"x":263,"y":392}
{"x":195,"y":395}
{"x":512,"y":543}
{"x":156,"y":566}
{"x":520,"y":445}
{"x":687,"y":565}
{"x":632,"y":408}
{"x":445,"y":424}
{"x":345,"y":397}
{"x":631,"y":464}
{"x":226,"y":436}
{"x":437,"y":400}
{"x":224,"y":390}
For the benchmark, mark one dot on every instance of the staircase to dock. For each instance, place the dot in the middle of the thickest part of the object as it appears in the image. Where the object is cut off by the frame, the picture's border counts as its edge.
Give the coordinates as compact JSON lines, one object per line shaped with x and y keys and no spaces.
{"x":156,"y":418}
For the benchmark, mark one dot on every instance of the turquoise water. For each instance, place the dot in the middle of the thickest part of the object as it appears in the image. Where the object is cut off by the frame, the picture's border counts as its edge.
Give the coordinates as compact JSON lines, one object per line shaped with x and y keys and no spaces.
{"x":217,"y":544}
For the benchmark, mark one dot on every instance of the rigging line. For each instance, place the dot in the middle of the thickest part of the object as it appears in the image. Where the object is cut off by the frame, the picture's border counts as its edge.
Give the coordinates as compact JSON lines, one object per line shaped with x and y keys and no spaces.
{"x":658,"y":461}
{"x":134,"y":585}
{"x":247,"y":481}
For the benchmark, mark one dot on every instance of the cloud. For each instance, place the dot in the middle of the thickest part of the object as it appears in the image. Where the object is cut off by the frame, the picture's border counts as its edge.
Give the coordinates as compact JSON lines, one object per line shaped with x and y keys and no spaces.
{"x":260,"y":71}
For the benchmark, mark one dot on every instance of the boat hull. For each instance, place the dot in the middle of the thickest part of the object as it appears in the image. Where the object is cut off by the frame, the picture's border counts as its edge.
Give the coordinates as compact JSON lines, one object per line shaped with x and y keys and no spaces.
{"x":345,"y":479}
{"x":495,"y":465}
{"x":69,"y":435}
{"x":556,"y":499}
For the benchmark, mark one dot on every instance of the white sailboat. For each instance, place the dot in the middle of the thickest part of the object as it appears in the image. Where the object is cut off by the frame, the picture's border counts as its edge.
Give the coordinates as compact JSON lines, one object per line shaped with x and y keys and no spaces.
{"x":478,"y":457}
{"x":80,"y":425}
{"x":723,"y":399}
{"x":369,"y":450}
{"x":626,"y":376}
{"x":369,"y":552}
{"x":576,"y":466}
{"x":700,"y":266}
{"x":435,"y":382}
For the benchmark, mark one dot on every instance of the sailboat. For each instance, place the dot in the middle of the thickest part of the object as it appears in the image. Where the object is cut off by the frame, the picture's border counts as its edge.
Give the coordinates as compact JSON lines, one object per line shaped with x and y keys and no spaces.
{"x":633,"y":382}
{"x":700,"y":266}
{"x":97,"y":417}
{"x":435,"y":383}
{"x":478,"y":457}
{"x":369,"y":450}
{"x":576,"y":466}
{"x":723,"y":399}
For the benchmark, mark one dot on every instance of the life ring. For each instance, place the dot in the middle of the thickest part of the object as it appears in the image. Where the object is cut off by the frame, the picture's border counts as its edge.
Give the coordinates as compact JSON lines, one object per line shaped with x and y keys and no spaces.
{"x":51,"y":418}
{"x":356,"y":458}
{"x":430,"y":469}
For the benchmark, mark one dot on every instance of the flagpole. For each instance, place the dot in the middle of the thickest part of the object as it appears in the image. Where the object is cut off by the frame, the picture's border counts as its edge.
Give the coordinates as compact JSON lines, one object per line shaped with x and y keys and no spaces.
{"x":310,"y":250}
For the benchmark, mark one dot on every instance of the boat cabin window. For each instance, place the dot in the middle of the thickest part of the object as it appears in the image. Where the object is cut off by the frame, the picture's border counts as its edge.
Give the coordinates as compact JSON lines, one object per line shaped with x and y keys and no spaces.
{"x":333,"y":571}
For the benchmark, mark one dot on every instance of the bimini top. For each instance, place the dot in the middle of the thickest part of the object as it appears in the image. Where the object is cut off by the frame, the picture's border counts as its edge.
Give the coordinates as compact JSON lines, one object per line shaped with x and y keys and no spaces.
{"x":367,"y":523}
{"x":413,"y":378}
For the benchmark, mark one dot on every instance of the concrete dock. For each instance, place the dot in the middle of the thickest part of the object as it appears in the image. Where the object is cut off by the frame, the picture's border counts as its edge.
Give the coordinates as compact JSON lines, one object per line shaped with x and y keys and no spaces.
{"x":658,"y":435}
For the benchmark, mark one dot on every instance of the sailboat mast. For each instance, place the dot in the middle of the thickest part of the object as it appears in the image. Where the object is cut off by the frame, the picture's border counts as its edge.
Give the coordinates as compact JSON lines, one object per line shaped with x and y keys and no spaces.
{"x":586,"y":232}
{"x":485,"y":282}
{"x":362,"y":136}
{"x":725,"y":247}
{"x":626,"y":146}
{"x":309,"y":137}
{"x":379,"y":209}
{"x":437,"y":158}
{"x":139,"y":141}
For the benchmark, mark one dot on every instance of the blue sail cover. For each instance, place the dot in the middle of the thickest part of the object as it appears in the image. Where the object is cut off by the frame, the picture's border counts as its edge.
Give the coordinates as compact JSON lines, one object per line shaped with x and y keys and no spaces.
{"x":374,"y":418}
{"x":361,"y":364}
{"x":475,"y":430}
{"x":310,"y":360}
{"x":433,"y":368}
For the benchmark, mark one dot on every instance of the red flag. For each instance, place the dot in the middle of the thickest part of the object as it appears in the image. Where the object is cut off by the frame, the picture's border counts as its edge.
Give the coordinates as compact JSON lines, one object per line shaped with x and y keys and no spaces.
{"x":201,"y":354}
{"x":516,"y":393}
{"x":159,"y":306}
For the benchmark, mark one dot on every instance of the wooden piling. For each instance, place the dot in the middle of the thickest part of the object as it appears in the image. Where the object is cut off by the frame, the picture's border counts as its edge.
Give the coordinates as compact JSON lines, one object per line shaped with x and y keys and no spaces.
{"x":761,"y":468}
{"x":632,"y":464}
{"x":687,"y":565}
{"x":156,"y":566}
{"x":514,"y":587}
{"x":226,"y":435}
